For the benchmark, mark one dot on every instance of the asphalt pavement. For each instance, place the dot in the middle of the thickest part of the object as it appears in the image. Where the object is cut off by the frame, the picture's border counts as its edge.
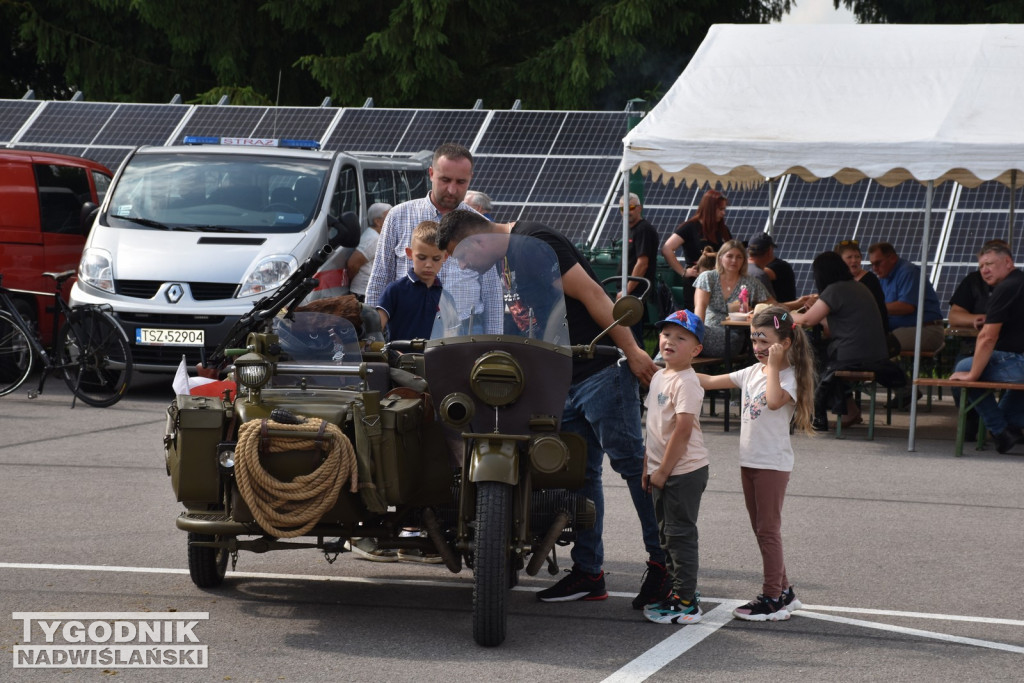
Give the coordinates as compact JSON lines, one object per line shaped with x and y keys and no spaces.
{"x":908,"y":563}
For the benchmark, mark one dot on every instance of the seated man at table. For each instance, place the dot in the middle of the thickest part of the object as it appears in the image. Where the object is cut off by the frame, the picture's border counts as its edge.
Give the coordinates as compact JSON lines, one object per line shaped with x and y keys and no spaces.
{"x":967,"y":308}
{"x":900,"y":281}
{"x":761,"y":254}
{"x":999,"y":351}
{"x":969,"y":303}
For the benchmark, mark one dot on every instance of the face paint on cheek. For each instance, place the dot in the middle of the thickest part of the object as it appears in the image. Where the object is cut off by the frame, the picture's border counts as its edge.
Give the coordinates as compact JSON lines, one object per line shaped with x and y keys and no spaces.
{"x":759,"y":339}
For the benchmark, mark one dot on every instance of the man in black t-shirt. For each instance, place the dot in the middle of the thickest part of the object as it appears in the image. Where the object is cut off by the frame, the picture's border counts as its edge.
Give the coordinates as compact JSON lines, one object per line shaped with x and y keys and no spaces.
{"x":641,"y":257}
{"x":969,"y":304}
{"x":967,"y":308}
{"x":603,"y":405}
{"x":761,"y":253}
{"x":999,"y":350}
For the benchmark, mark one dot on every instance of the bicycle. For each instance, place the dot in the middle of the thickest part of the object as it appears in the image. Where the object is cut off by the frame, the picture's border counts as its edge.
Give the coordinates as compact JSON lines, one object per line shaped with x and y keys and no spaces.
{"x":90,"y":350}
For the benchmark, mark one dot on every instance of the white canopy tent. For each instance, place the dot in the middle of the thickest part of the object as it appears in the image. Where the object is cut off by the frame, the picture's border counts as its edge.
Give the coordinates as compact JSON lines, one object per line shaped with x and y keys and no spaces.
{"x":888,"y":102}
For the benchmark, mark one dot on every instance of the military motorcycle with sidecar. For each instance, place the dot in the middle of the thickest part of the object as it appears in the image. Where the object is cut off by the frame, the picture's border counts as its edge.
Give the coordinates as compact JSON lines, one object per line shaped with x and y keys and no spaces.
{"x":328,"y":440}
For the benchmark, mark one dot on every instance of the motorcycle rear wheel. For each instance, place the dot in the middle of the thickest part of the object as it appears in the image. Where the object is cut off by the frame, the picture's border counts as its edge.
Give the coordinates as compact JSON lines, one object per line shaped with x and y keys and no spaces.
{"x":206,"y":566}
{"x":491,"y":562}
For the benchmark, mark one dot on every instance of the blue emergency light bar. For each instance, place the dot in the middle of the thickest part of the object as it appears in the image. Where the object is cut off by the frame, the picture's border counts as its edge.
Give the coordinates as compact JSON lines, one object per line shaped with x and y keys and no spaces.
{"x":250,"y":142}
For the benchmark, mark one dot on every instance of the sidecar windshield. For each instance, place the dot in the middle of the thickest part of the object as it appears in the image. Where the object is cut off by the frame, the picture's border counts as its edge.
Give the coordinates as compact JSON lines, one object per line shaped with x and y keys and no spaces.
{"x":310,"y":338}
{"x":532,"y":300}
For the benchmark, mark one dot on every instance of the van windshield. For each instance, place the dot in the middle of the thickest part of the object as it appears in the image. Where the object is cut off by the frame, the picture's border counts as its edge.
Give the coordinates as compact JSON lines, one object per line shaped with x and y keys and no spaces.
{"x":216,"y":192}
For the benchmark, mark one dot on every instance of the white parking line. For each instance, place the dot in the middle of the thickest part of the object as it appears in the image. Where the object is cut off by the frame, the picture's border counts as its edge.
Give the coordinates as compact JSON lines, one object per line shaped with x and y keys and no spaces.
{"x":646,"y":664}
{"x":911,"y":631}
{"x":914,"y":615}
{"x":685,"y":637}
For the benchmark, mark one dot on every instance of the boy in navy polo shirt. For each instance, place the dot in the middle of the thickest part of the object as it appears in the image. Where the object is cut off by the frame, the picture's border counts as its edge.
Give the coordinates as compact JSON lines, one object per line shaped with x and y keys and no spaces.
{"x":408,"y":306}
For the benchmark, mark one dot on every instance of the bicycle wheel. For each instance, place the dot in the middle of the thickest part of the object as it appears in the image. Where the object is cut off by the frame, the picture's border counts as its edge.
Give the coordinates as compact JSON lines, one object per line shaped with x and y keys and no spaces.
{"x":15,"y":355}
{"x":95,"y":357}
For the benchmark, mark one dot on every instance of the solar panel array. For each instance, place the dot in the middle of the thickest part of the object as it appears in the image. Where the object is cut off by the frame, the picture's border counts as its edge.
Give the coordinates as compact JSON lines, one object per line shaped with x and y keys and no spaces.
{"x":557,"y":167}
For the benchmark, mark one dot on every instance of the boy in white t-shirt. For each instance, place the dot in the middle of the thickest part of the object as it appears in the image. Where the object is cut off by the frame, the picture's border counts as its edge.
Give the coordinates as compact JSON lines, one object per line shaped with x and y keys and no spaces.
{"x":676,"y":463}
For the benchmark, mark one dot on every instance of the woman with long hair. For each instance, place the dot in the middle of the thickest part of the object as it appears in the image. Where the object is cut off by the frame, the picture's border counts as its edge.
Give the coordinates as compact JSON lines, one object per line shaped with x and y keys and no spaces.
{"x":718,"y":291}
{"x":706,"y":227}
{"x":856,"y":337}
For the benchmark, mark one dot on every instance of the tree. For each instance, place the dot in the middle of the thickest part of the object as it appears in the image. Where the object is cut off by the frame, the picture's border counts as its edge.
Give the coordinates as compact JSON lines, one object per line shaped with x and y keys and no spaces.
{"x":571,"y":55}
{"x":427,"y":53}
{"x":149,"y":50}
{"x":935,"y":11}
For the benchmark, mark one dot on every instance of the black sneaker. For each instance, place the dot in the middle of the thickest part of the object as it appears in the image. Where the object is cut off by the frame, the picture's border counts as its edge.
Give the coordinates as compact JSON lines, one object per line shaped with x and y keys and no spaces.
{"x":790,"y":600}
{"x":762,"y":608}
{"x":819,"y":424}
{"x":1007,"y":439}
{"x":655,"y":586}
{"x":672,"y":610}
{"x":578,"y":585}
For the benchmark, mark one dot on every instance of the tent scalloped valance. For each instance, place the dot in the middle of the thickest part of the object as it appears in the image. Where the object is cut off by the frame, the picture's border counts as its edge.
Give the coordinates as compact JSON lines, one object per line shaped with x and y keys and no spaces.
{"x":747,"y":177}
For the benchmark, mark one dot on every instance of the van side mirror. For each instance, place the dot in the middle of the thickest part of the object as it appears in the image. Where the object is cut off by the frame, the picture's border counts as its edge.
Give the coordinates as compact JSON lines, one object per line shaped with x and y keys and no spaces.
{"x":86,"y":216}
{"x":344,"y":231}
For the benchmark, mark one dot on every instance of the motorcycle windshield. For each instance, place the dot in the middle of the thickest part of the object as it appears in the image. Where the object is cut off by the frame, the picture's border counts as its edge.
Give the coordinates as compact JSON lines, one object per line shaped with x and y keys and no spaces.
{"x":312,"y":338}
{"x":531,"y":301}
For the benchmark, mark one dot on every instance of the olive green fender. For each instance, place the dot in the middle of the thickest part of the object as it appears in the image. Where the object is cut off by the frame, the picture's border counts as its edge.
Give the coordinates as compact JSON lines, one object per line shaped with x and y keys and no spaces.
{"x":494,"y":459}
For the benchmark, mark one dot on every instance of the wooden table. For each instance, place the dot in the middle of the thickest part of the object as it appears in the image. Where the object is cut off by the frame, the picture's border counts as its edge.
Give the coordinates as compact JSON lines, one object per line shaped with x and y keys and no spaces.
{"x":964,"y":332}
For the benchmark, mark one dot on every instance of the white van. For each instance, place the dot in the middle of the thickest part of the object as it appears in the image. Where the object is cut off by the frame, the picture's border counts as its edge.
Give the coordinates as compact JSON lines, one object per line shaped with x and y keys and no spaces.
{"x":190,"y":236}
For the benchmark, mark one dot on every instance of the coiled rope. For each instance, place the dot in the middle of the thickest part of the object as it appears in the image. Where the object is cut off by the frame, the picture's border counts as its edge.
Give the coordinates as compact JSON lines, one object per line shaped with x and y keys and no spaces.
{"x":289,"y":509}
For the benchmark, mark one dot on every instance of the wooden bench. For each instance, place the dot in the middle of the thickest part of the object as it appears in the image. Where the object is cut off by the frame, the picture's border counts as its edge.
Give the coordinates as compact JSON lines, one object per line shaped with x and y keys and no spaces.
{"x":965,"y":405}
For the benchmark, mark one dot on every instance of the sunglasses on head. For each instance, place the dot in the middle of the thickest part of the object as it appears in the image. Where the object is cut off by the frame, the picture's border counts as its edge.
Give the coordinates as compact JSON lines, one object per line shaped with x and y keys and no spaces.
{"x":849,"y":243}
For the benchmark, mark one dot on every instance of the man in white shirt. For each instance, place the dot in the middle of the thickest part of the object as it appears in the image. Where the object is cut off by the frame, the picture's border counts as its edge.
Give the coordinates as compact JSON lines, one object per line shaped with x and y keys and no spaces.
{"x":477,"y":297}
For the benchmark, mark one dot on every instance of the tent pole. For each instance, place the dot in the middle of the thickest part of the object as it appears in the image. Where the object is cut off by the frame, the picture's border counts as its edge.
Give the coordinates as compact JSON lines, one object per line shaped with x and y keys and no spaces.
{"x":1013,"y":193}
{"x":920,"y":313}
{"x":771,"y":207}
{"x":625,"y":230}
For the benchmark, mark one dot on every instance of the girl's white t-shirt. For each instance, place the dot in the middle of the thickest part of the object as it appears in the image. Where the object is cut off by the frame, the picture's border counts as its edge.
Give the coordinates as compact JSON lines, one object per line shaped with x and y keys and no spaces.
{"x":764,"y":433}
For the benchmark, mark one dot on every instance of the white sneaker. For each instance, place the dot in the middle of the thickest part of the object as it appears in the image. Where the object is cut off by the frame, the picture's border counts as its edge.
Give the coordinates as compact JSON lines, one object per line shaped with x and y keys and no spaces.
{"x":366,"y":549}
{"x":416,"y":555}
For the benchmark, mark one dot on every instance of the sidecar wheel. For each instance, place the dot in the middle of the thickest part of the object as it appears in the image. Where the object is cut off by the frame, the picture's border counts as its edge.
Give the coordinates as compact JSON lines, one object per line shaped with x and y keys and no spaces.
{"x":206,"y":566}
{"x":491,"y":563}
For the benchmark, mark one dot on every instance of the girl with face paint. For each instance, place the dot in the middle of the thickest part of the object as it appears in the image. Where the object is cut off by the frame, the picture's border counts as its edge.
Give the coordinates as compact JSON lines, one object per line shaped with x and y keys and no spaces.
{"x":776,"y":390}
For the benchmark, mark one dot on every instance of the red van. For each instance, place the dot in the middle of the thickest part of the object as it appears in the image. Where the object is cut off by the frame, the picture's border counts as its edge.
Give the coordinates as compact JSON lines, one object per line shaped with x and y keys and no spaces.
{"x":41,"y":222}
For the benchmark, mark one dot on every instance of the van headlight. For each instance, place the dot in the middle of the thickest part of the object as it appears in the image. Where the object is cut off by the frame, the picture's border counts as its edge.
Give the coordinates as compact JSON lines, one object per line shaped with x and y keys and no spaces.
{"x":96,"y":269}
{"x":270,"y":273}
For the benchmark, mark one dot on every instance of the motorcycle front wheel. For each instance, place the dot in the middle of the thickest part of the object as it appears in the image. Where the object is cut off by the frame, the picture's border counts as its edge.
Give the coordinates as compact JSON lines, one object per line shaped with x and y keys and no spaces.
{"x":491,"y":563}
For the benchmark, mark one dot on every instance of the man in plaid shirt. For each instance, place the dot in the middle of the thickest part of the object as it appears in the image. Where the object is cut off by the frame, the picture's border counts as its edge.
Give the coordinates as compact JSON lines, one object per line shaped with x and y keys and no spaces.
{"x":477,"y":297}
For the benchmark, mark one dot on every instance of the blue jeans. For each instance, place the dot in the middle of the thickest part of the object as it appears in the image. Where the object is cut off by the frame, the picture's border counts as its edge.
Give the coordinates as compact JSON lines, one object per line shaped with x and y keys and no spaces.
{"x":605,"y":410}
{"x":1003,"y":366}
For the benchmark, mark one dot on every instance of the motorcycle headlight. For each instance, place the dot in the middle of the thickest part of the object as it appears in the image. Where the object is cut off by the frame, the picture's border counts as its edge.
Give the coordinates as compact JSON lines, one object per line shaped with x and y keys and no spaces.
{"x":270,"y":273}
{"x":252,"y":371}
{"x":496,"y":378}
{"x":96,"y":269}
